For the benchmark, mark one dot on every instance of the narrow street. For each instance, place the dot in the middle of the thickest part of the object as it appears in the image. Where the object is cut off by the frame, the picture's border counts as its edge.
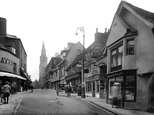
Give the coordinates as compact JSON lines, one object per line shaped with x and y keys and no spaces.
{"x":46,"y":102}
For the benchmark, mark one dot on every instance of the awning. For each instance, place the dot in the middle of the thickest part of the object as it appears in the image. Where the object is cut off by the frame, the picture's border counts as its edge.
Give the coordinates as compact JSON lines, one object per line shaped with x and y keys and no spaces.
{"x":11,"y":75}
{"x":23,"y":73}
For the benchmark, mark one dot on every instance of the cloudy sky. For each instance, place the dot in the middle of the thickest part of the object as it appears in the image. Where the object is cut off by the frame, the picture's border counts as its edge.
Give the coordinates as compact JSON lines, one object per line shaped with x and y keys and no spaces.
{"x":55,"y":23}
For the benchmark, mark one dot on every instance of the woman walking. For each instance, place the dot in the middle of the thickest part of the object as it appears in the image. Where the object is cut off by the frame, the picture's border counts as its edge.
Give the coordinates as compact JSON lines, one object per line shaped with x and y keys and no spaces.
{"x":6,"y":92}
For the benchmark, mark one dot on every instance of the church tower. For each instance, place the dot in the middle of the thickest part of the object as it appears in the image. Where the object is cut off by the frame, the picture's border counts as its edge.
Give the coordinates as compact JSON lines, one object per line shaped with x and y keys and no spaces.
{"x":43,"y":64}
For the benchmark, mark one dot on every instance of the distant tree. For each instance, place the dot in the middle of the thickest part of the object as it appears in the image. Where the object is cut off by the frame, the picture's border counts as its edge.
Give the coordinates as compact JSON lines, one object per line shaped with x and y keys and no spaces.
{"x":151,"y":94}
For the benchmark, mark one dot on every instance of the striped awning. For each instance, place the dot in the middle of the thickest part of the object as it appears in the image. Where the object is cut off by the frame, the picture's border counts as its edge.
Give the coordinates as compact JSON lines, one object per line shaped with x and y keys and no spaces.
{"x":11,"y":75}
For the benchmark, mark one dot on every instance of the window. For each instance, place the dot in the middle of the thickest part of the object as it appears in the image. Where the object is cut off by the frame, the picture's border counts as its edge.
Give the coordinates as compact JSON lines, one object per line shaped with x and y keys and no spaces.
{"x":63,"y":72}
{"x":14,"y":67}
{"x":111,"y":82}
{"x":130,"y":88}
{"x":88,"y":88}
{"x":130,"y":47}
{"x":116,"y":57}
{"x":127,"y":86}
{"x":72,"y":68}
{"x":103,"y":86}
{"x":78,"y":51}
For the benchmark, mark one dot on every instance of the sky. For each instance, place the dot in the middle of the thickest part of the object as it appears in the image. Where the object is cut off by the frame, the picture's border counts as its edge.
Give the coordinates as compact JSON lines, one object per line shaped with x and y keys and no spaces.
{"x":54,"y":22}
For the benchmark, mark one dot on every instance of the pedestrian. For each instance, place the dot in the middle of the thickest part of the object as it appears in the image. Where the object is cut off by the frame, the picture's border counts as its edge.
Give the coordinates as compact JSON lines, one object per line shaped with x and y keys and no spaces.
{"x":57,"y":90}
{"x":115,"y":91}
{"x":66,"y":89}
{"x":6,"y":92}
{"x":31,"y":87}
{"x":69,"y":90}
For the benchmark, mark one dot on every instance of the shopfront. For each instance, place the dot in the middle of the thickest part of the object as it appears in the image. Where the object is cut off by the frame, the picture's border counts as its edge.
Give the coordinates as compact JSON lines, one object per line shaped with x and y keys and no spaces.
{"x":9,"y":69}
{"x":127,"y":81}
{"x":96,"y":82}
{"x":74,"y":80}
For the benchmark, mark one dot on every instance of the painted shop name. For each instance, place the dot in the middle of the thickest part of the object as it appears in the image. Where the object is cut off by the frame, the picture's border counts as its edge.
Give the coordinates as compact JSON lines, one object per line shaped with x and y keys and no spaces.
{"x":4,"y":60}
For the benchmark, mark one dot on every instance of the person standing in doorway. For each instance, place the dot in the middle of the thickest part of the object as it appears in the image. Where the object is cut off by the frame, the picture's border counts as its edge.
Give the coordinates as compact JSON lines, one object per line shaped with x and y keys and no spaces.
{"x":6,"y":92}
{"x":115,"y":90}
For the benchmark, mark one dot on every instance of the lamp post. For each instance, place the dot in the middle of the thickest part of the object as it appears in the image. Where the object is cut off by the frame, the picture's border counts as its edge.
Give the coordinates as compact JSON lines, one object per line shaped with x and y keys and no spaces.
{"x":82,"y":78}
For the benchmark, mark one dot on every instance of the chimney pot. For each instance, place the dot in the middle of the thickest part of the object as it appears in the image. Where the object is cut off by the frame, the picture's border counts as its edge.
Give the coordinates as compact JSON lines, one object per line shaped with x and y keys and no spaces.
{"x":105,"y":30}
{"x":96,"y":30}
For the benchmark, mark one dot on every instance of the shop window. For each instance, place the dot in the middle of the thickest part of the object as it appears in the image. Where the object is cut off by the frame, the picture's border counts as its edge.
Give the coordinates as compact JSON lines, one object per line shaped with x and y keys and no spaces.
{"x":116,"y":58}
{"x":130,"y":88}
{"x":89,"y":87}
{"x":103,"y":86}
{"x":130,"y":47}
{"x":111,"y":82}
{"x":120,"y":81}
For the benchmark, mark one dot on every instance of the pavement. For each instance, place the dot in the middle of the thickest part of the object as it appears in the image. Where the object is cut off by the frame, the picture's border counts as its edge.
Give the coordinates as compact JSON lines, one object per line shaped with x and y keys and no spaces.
{"x":15,"y":100}
{"x":117,"y":111}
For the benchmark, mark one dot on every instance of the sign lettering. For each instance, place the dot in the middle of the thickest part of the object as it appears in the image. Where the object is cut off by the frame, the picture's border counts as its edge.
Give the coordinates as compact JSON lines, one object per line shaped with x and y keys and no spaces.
{"x":6,"y":61}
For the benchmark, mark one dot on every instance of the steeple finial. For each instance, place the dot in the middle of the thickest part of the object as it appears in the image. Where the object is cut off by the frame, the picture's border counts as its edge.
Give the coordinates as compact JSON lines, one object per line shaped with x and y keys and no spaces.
{"x":43,"y":49}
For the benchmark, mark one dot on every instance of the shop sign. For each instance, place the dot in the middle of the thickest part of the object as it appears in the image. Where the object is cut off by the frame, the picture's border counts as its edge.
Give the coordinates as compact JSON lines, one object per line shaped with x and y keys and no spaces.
{"x":7,"y":61}
{"x":95,"y":71}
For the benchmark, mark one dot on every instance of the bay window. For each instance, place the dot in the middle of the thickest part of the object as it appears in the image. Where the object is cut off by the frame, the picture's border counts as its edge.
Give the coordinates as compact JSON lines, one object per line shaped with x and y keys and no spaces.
{"x":116,"y":58}
{"x":130,"y":47}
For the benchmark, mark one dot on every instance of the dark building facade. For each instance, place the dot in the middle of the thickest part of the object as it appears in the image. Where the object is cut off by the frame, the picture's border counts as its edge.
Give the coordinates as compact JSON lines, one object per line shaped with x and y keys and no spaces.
{"x":12,"y":60}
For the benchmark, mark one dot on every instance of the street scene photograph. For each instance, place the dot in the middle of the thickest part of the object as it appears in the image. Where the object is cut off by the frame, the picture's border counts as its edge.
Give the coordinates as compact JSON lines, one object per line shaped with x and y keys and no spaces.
{"x":76,"y":57}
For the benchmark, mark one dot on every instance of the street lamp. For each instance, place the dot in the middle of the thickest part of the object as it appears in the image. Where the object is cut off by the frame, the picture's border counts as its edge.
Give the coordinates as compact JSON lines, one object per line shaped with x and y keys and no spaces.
{"x":82,"y":78}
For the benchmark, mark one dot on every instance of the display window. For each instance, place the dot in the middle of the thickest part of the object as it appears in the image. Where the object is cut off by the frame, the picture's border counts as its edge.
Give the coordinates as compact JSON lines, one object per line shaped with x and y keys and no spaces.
{"x":127,"y":87}
{"x":111,"y":82}
{"x":97,"y":82}
{"x":88,"y":86}
{"x":130,"y":88}
{"x":103,"y":86}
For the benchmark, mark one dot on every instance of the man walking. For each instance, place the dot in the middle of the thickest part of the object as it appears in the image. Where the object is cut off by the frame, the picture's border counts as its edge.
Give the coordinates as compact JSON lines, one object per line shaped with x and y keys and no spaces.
{"x":6,"y":92}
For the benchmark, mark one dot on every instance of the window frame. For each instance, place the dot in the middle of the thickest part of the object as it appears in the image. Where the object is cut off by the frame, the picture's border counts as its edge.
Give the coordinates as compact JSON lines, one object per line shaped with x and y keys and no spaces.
{"x":128,"y":52}
{"x":15,"y":68}
{"x":124,"y":75}
{"x":116,"y":55}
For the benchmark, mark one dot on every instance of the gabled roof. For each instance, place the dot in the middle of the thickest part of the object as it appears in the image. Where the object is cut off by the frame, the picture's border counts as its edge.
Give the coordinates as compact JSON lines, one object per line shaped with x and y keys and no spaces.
{"x":76,"y":60}
{"x":54,"y":62}
{"x":139,"y":12}
{"x":149,"y":16}
{"x":71,"y":47}
{"x":120,"y":28}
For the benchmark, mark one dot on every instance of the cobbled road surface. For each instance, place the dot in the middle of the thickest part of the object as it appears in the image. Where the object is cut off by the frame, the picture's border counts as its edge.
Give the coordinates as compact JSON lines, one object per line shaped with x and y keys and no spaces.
{"x":46,"y":102}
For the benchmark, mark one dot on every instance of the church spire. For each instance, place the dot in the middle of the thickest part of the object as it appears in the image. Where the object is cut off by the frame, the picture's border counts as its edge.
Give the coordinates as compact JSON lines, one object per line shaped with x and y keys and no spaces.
{"x":43,"y":50}
{"x":43,"y":64}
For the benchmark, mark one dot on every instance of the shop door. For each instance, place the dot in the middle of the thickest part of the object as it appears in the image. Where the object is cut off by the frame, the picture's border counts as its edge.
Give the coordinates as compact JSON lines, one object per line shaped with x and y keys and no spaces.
{"x":93,"y":89}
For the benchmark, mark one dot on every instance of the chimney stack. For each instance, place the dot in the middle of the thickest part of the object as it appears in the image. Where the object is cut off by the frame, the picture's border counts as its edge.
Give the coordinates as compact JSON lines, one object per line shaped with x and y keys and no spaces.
{"x":96,"y":30}
{"x":105,"y":30}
